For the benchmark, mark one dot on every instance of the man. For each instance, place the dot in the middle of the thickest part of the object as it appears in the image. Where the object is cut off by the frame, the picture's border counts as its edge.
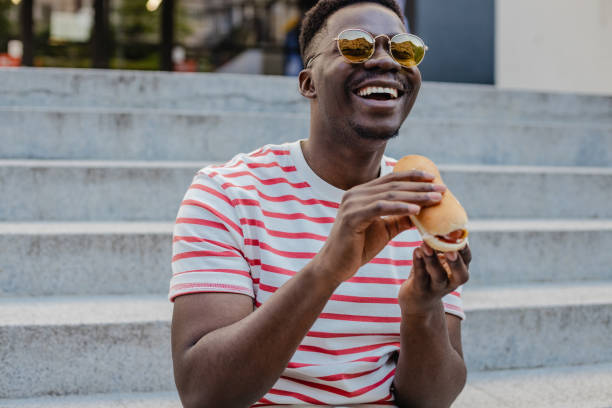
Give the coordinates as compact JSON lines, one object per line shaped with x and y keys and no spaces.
{"x":297,"y":275}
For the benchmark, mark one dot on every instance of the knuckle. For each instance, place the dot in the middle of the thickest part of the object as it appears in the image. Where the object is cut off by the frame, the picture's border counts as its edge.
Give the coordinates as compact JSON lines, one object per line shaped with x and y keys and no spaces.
{"x":390,"y":195}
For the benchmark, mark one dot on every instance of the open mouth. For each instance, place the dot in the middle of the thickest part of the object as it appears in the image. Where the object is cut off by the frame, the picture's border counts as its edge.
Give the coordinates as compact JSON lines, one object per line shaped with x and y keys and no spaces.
{"x":379,"y":93}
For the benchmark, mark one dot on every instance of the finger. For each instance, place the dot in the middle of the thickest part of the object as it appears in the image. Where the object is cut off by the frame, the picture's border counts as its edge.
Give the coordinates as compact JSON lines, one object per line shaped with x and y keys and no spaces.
{"x":401,"y":185}
{"x":459,"y":270}
{"x":364,"y":214}
{"x":434,"y":268}
{"x":422,"y":199}
{"x":418,"y":270}
{"x":466,"y":254}
{"x":409,"y":175}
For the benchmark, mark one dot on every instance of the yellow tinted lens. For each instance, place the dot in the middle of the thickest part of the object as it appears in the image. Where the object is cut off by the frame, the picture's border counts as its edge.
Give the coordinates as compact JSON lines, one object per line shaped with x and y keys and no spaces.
{"x":355,"y":45}
{"x":407,"y":49}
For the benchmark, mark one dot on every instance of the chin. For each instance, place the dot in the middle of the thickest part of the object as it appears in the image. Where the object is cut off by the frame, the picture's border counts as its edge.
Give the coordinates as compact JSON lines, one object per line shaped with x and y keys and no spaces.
{"x":374,"y":133}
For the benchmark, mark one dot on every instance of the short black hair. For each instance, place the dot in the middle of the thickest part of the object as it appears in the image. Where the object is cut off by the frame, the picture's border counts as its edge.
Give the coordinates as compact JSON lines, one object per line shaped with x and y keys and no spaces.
{"x":316,"y":17}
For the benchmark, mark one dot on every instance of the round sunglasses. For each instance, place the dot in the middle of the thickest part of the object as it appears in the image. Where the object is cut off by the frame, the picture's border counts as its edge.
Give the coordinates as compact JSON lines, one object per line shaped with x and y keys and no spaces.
{"x":357,"y":45}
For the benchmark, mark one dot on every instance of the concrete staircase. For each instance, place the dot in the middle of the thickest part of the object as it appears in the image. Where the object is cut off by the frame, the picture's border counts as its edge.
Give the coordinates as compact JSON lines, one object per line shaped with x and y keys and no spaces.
{"x":93,"y":165}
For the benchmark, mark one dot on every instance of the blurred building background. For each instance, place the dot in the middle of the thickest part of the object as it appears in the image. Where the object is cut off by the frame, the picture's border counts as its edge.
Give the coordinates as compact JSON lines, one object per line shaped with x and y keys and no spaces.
{"x":559,"y":45}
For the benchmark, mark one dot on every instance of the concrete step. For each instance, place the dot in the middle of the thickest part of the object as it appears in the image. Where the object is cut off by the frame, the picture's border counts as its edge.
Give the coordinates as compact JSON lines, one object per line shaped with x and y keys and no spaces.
{"x":118,"y":344}
{"x":557,"y":387}
{"x":226,"y":92}
{"x":61,"y":259}
{"x":169,"y":399}
{"x":138,"y":191}
{"x":78,"y":345}
{"x":132,"y":134}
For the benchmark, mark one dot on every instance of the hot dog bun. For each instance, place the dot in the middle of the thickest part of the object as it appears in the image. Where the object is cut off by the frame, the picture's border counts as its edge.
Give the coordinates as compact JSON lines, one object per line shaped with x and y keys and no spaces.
{"x":437,"y":223}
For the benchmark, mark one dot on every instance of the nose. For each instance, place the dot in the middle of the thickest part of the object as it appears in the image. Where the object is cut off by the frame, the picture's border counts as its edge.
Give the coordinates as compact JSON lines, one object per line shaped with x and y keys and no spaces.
{"x":381,"y":58}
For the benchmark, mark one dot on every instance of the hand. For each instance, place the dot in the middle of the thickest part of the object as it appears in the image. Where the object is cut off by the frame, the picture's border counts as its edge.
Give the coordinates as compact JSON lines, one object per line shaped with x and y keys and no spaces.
{"x":428,"y":281}
{"x":370,"y":215}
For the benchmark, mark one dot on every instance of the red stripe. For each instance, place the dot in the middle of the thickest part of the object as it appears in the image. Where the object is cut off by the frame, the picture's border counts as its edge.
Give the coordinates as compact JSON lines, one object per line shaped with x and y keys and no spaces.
{"x":354,"y":279}
{"x":340,"y":391}
{"x":368,"y":279}
{"x":299,"y":216}
{"x":369,"y":359}
{"x":388,"y":261}
{"x":215,"y":212}
{"x":283,"y":198}
{"x":342,"y":352}
{"x":343,"y":298}
{"x":338,"y":377}
{"x":286,"y":169}
{"x":210,"y":191}
{"x":327,"y":335}
{"x":455,"y":293}
{"x":221,"y":270}
{"x":255,"y":166}
{"x":453,"y":307}
{"x":405,"y":244}
{"x":209,"y":286}
{"x":356,"y":318}
{"x":299,"y":396}
{"x":195,"y":254}
{"x":277,"y":269}
{"x":287,"y":254}
{"x":199,"y":221}
{"x":390,"y":162}
{"x":267,"y":182}
{"x":276,"y":152}
{"x":282,"y":234}
{"x":210,"y":241}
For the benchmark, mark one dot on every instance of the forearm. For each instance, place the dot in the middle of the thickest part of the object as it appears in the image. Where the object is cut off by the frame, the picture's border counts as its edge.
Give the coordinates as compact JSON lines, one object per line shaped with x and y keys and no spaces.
{"x":430,"y":372}
{"x":236,"y":365}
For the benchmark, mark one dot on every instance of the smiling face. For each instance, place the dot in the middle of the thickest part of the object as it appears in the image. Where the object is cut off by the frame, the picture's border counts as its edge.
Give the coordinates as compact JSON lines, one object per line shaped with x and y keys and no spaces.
{"x":369,"y":100}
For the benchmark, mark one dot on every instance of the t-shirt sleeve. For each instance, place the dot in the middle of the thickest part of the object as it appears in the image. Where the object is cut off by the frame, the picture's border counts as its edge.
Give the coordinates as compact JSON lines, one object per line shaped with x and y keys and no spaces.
{"x":207,"y":245}
{"x":453,"y":303}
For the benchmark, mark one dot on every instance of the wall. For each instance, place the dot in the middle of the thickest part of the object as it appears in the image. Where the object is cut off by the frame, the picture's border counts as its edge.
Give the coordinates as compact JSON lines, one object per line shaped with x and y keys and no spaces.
{"x":554,"y":45}
{"x":460,"y":36}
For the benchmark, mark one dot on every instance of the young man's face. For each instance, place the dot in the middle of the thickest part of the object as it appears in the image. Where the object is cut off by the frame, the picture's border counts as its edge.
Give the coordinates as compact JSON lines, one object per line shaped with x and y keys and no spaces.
{"x":338,"y":81}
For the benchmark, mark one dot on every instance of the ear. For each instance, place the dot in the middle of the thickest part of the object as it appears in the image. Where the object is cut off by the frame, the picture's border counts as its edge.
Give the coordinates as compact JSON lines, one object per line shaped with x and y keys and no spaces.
{"x":306,"y":84}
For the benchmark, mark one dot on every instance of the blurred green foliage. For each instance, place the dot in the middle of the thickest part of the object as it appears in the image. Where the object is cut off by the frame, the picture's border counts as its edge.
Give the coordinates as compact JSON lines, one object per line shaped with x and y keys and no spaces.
{"x":7,"y":30}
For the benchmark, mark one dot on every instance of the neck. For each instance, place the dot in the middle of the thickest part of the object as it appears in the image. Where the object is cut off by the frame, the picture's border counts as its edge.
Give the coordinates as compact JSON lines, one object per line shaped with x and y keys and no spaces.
{"x":340,"y":161}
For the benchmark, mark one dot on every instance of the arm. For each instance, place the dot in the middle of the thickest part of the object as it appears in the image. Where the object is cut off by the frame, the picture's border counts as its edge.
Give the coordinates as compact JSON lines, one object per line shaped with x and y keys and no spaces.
{"x":225,"y":354}
{"x":430,"y":371}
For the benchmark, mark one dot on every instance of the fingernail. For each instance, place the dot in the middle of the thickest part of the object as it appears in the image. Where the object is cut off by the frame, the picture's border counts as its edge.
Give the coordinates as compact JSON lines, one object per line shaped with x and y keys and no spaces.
{"x":427,"y":250}
{"x":417,"y":253}
{"x":435,"y":196}
{"x":451,"y":256}
{"x":439,"y":187}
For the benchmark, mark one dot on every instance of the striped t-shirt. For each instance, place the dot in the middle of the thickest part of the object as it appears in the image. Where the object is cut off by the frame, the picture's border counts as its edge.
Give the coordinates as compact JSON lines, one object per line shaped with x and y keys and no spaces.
{"x":251,"y":224}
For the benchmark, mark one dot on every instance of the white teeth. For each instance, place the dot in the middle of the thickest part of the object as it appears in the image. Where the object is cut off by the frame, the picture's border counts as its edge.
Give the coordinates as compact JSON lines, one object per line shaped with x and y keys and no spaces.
{"x":369,"y":90}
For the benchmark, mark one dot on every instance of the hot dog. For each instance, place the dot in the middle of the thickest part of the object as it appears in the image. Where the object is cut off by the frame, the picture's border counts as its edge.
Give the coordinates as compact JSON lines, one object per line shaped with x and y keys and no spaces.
{"x":443,"y":226}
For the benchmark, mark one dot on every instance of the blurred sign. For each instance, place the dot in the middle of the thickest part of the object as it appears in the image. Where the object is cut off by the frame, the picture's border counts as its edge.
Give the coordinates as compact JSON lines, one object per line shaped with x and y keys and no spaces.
{"x":7,"y":61}
{"x":67,"y":26}
{"x":186,"y":66}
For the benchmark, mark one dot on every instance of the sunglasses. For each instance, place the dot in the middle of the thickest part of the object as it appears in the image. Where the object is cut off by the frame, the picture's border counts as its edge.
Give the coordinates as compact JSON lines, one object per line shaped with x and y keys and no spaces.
{"x":357,"y":45}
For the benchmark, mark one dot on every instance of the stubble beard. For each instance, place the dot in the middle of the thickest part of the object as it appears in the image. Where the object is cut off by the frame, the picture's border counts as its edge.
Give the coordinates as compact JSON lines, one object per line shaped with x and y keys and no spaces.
{"x":372,"y":134}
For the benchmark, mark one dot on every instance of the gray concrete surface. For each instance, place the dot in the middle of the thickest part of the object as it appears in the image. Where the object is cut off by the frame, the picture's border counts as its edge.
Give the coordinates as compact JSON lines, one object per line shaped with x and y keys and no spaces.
{"x":101,"y":191}
{"x":147,"y":134}
{"x":557,"y":387}
{"x":94,"y":258}
{"x":114,"y":344}
{"x":226,"y":92}
{"x":58,"y":346}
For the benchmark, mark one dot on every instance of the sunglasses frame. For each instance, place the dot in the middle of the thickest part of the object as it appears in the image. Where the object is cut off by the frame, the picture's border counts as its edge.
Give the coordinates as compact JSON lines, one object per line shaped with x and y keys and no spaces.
{"x":374,"y":37}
